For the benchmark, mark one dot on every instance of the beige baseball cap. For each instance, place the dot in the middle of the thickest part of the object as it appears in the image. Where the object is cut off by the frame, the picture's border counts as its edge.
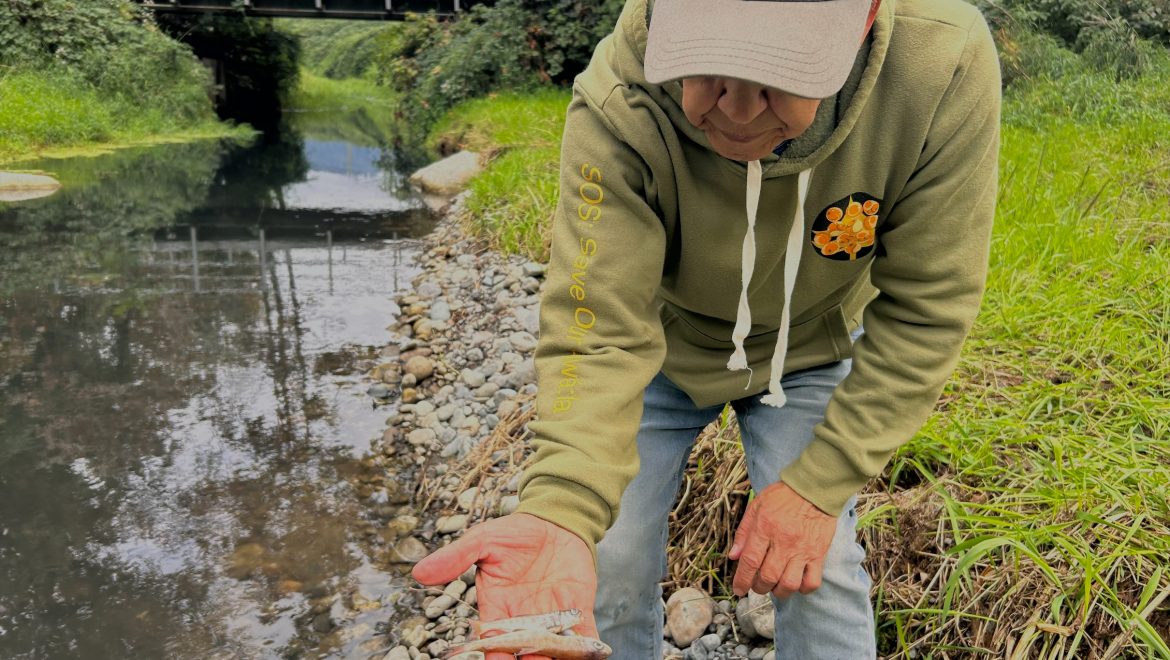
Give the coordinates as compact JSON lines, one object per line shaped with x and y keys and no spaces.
{"x":804,"y":47}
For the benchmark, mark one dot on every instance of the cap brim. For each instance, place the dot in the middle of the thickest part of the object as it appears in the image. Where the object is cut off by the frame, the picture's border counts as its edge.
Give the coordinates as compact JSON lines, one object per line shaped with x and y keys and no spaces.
{"x":804,"y":47}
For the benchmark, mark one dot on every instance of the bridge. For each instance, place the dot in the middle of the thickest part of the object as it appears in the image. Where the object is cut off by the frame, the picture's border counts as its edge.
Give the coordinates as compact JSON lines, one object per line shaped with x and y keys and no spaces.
{"x":383,"y":10}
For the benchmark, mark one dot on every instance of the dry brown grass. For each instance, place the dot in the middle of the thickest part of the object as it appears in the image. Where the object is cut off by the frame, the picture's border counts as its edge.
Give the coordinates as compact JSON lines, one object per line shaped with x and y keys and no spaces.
{"x":944,"y":587}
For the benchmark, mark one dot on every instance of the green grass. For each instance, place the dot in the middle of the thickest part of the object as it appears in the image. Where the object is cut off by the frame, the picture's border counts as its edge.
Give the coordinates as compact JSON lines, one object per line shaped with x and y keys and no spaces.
{"x":1038,"y":489}
{"x":337,"y":49}
{"x":318,"y":93}
{"x":1030,"y":514}
{"x":48,"y":112}
{"x":318,"y":99}
{"x":512,"y":200}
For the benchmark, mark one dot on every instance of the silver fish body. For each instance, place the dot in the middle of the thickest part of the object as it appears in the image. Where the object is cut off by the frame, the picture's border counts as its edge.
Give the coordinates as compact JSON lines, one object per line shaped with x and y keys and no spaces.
{"x":540,"y":642}
{"x":553,"y":622}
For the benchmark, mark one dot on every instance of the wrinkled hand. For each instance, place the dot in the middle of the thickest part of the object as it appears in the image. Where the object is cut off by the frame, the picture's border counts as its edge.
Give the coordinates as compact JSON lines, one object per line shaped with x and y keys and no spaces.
{"x":526,"y":566}
{"x":781,"y":544}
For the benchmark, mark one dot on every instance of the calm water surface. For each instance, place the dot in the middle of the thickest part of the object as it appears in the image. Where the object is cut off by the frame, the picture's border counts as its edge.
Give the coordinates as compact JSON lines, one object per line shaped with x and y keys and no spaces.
{"x":182,"y":422}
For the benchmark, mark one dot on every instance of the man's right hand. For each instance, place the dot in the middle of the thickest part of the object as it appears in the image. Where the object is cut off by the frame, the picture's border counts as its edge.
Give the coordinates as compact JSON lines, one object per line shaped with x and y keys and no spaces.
{"x":526,"y":565}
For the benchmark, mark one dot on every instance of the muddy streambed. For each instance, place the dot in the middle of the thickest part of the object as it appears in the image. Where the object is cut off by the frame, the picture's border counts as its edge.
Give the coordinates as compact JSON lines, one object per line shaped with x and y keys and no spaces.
{"x":185,"y":430}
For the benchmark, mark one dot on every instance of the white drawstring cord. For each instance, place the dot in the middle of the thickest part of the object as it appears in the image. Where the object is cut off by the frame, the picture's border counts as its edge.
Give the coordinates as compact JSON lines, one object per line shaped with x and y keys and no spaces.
{"x":793,"y":250}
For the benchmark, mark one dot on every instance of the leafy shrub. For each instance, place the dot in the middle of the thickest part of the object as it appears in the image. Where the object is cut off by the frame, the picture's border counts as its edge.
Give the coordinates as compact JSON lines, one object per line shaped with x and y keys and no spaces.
{"x":113,"y":46}
{"x":337,"y":49}
{"x":513,"y":44}
{"x":1121,"y":37}
{"x":259,"y":60}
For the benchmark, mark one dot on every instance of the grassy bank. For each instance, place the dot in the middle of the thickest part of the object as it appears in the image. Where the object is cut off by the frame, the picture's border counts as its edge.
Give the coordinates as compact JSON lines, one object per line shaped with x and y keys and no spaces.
{"x":53,"y":113}
{"x":512,"y":199}
{"x":1029,"y":517}
{"x":317,"y":99}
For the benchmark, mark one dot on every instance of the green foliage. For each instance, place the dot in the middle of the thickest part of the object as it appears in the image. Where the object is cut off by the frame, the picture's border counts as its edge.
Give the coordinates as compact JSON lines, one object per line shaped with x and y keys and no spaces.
{"x":111,"y":47}
{"x":369,"y":108}
{"x":1075,"y":22}
{"x":260,"y":61}
{"x":49,"y":108}
{"x":511,"y":202}
{"x":1121,"y":37}
{"x":337,"y":49}
{"x":1033,"y":495}
{"x":510,"y":45}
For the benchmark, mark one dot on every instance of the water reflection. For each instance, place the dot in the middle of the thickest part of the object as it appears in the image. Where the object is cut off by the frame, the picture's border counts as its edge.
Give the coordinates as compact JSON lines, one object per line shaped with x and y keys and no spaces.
{"x":178,"y":433}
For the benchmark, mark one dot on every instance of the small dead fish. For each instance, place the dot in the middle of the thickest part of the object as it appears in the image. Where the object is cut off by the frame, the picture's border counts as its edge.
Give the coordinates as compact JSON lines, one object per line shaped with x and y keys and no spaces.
{"x":540,"y":642}
{"x":553,"y":622}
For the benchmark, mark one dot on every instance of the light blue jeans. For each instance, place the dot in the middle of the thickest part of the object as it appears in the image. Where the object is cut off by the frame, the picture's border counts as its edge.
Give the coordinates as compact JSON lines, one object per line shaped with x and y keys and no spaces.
{"x":835,"y":622}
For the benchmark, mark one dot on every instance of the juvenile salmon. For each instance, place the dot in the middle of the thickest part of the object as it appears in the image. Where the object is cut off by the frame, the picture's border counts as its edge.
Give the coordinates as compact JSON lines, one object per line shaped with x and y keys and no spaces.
{"x":553,"y":622}
{"x":541,"y":642}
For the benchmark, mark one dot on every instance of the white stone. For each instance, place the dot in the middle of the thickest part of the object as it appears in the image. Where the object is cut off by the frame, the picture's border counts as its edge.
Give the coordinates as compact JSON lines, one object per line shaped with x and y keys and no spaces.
{"x":421,"y":437}
{"x":467,"y":498}
{"x":447,"y":176}
{"x":18,"y":187}
{"x":756,"y":615}
{"x":451,"y":524}
{"x":689,"y":612}
{"x":398,"y":653}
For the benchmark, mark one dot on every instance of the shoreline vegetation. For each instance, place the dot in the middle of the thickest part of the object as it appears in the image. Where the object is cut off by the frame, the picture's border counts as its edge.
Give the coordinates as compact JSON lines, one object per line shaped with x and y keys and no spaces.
{"x":1028,"y":517}
{"x":55,"y":115}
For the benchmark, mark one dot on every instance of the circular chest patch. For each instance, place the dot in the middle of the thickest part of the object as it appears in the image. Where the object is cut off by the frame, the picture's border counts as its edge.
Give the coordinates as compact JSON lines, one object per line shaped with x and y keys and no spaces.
{"x":846,"y":230}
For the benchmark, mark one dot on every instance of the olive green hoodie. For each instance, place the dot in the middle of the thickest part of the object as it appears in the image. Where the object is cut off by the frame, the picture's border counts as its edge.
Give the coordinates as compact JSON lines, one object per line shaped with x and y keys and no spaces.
{"x":649,"y":243}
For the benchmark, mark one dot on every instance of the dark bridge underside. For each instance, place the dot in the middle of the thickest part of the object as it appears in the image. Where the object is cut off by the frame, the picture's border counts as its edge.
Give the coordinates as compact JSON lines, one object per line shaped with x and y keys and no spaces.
{"x":391,"y":10}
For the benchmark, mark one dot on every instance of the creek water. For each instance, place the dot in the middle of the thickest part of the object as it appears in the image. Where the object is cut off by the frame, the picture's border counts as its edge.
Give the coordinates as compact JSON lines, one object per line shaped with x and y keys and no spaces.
{"x":183,"y":333}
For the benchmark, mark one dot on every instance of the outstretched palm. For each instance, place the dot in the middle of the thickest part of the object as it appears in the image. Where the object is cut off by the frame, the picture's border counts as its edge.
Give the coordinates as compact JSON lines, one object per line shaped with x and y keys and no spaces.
{"x":525,"y":566}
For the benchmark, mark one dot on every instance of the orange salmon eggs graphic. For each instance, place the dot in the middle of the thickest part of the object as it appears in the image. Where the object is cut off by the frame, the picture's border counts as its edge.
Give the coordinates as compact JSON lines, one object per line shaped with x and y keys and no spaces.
{"x":847,"y":229}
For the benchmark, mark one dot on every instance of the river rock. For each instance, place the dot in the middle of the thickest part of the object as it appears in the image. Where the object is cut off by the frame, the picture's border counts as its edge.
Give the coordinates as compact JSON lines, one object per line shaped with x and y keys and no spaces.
{"x":451,"y":524}
{"x":420,"y":367}
{"x":509,"y":504}
{"x":421,"y":437}
{"x":523,"y":342}
{"x":467,"y":498}
{"x":18,"y":186}
{"x":440,"y":311}
{"x":402,"y":525}
{"x":688,"y":613}
{"x":439,"y":605}
{"x":756,"y":615}
{"x":428,"y":290}
{"x":407,"y":551}
{"x":416,"y":635}
{"x":528,"y":319}
{"x":473,"y":378}
{"x":398,"y":653}
{"x":447,"y":176}
{"x":379,"y":391}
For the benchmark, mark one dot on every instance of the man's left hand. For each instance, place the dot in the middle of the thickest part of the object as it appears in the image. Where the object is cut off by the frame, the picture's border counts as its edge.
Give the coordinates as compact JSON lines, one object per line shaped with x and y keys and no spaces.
{"x":781,"y":544}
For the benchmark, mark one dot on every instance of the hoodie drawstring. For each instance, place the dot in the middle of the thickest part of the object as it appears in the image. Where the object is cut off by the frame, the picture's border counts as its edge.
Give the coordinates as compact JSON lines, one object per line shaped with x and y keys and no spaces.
{"x":793,"y":250}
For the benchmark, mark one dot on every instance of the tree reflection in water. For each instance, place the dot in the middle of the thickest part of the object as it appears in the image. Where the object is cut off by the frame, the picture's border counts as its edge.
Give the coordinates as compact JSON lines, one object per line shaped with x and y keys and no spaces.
{"x":172,"y":450}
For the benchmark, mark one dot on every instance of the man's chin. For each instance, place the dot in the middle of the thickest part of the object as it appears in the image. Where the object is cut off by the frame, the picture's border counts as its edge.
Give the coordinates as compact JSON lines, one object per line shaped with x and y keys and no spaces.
{"x":742,"y":152}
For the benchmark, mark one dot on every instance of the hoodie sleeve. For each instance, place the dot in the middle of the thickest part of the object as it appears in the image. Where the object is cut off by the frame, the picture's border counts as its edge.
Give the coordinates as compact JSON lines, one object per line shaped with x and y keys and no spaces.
{"x":601,"y":340}
{"x":930,"y":271}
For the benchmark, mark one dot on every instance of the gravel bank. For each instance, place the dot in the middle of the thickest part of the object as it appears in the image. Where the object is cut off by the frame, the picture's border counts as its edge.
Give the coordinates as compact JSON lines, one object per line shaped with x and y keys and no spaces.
{"x":465,"y":377}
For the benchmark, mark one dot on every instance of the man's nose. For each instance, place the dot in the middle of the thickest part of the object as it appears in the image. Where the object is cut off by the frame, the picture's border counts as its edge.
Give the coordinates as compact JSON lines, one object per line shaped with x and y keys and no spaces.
{"x":742,"y":101}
